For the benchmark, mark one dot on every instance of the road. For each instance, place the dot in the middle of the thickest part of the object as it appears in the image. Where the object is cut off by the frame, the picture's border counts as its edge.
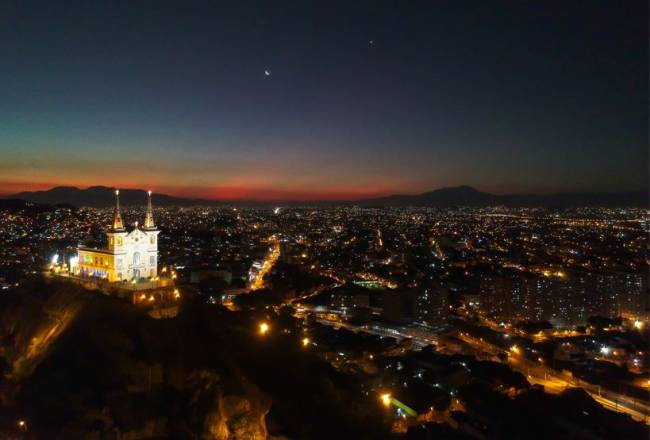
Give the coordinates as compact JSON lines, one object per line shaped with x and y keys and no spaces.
{"x":555,"y":382}
{"x":376,"y":330}
{"x":269,"y":262}
{"x":313,"y":292}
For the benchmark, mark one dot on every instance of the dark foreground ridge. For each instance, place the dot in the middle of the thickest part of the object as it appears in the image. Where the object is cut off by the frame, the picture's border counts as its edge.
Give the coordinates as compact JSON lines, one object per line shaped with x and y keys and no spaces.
{"x":77,"y":363}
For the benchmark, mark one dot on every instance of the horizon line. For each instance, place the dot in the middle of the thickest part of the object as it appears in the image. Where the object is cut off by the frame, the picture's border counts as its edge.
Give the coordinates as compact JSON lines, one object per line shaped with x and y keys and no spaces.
{"x":316,"y":196}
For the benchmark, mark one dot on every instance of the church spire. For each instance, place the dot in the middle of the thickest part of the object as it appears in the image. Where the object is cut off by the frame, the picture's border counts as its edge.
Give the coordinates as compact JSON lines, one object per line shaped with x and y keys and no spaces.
{"x":118,"y":225}
{"x":148,"y":218}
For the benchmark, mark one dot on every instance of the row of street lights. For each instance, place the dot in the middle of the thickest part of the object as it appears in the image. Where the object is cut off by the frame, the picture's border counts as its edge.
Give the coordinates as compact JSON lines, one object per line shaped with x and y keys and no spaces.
{"x":263,"y":328}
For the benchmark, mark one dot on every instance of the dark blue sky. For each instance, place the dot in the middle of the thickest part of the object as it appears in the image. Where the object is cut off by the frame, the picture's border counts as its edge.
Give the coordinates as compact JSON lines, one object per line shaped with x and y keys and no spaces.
{"x":506,"y":96}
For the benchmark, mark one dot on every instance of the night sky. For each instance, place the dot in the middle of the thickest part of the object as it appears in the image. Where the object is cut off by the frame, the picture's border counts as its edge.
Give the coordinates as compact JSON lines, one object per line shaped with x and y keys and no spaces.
{"x":324,"y":100}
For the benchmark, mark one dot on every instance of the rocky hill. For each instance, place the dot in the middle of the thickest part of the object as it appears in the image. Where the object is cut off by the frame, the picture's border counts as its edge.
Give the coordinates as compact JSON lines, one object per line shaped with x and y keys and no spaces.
{"x":78,"y":364}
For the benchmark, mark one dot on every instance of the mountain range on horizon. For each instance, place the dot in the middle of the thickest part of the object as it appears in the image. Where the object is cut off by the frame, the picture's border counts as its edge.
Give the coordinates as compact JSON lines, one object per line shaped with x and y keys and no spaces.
{"x":102,"y":196}
{"x":468,"y":196}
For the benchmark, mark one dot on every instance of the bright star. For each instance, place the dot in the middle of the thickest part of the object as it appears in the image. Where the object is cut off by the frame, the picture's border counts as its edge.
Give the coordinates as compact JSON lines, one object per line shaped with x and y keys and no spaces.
{"x":267,"y":72}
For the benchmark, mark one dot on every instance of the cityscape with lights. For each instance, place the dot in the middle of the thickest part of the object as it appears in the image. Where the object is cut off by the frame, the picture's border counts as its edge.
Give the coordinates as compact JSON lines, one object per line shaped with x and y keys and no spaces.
{"x":297,"y":220}
{"x":420,"y":311}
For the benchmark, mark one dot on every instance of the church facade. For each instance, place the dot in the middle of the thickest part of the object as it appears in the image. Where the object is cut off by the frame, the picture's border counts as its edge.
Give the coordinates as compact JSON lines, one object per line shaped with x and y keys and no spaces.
{"x":129,"y":256}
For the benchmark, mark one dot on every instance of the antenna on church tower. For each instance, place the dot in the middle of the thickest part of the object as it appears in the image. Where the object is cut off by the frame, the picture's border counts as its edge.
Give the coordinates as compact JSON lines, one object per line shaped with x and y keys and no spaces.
{"x":118,"y":225}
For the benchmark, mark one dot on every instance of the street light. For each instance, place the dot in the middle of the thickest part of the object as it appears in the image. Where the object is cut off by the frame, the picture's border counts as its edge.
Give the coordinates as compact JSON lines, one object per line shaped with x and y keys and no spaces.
{"x":264,"y":328}
{"x":305,"y":342}
{"x":386,"y":399}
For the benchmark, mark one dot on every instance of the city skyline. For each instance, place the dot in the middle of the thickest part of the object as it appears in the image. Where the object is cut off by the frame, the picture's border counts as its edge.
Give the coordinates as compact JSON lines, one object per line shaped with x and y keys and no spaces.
{"x":333,"y":102}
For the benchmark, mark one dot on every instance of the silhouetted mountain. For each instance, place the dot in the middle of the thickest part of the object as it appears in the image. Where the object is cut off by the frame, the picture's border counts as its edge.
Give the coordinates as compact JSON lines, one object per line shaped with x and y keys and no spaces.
{"x":461,"y":195}
{"x":468,"y":196}
{"x":102,"y":196}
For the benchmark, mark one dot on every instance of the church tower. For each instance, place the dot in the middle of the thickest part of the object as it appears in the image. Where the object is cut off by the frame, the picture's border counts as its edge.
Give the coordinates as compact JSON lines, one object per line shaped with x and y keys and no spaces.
{"x":116,"y":243}
{"x":151,"y":231}
{"x":118,"y":224}
{"x":148,"y":218}
{"x":117,"y":232}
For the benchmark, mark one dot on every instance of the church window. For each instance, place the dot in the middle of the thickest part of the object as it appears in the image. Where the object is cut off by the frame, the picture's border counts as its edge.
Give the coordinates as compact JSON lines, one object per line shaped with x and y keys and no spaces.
{"x":152,"y":260}
{"x":152,"y":239}
{"x":119,"y":241}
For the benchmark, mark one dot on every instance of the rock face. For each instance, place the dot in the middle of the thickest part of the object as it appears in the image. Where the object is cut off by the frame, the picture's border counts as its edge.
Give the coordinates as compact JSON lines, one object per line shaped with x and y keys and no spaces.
{"x":235,"y":418}
{"x":78,"y":365}
{"x":30,"y":326}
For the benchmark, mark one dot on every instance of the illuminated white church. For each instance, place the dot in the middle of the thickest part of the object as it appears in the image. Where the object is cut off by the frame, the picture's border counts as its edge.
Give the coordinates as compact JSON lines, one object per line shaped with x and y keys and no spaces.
{"x":130,"y":256}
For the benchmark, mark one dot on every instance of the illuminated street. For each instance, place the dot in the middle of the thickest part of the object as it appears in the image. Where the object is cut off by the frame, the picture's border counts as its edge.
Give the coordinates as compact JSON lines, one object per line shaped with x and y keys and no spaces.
{"x":555,"y":382}
{"x":273,"y":255}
